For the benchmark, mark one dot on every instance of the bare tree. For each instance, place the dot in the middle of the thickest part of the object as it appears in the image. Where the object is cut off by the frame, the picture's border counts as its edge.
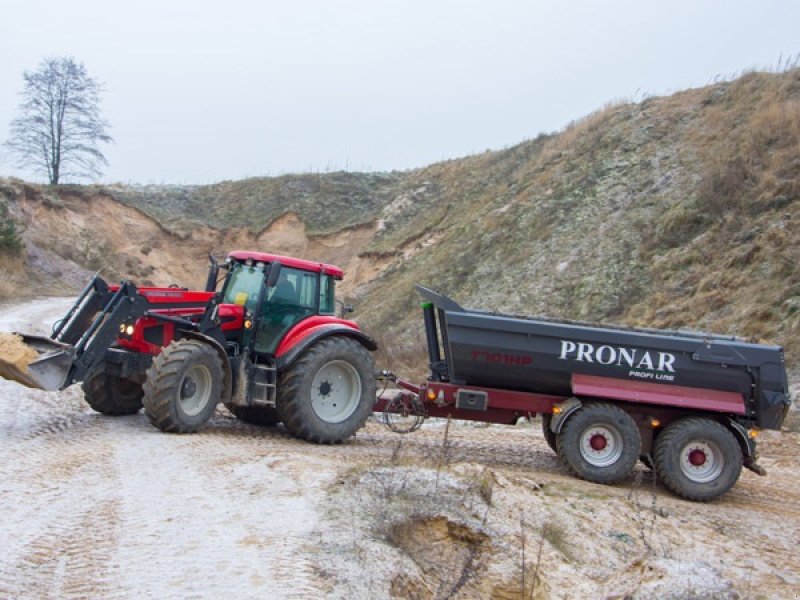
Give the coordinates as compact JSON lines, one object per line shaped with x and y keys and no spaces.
{"x":59,"y":128}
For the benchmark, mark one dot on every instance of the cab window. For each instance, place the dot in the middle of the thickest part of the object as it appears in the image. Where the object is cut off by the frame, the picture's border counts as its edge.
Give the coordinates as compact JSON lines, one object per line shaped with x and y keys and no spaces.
{"x":327,"y":305}
{"x":243,"y":286}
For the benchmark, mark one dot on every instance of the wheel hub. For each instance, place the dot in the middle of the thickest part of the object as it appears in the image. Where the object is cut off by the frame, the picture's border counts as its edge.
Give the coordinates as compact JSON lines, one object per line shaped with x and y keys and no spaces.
{"x":701,"y":461}
{"x":601,"y":445}
{"x":335,"y":391}
{"x":189,"y":388}
{"x":697,"y":457}
{"x":194,"y":390}
{"x":598,"y":442}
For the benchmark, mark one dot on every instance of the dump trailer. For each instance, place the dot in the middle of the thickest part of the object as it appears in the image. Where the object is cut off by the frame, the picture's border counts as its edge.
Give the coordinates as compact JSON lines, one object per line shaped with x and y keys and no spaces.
{"x":263,"y":338}
{"x":687,"y":404}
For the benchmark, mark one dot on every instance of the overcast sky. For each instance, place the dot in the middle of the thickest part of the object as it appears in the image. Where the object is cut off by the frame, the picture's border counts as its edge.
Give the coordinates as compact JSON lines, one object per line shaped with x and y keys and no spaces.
{"x":201,"y":91}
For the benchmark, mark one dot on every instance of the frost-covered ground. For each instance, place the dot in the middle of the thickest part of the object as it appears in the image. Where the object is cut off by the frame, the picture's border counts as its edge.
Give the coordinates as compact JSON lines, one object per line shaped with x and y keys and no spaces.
{"x":99,"y":507}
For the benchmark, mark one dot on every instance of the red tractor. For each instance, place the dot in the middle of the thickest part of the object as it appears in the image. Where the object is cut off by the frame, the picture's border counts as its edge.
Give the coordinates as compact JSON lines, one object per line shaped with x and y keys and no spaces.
{"x":263,"y":339}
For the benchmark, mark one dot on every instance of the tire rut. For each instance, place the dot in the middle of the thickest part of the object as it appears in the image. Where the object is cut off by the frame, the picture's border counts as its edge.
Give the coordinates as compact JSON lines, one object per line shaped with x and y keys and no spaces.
{"x":60,"y":514}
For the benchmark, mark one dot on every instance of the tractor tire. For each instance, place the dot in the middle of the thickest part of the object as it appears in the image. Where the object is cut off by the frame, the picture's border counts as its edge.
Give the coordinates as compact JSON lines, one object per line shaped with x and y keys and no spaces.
{"x":183,"y":386}
{"x":111,"y":395}
{"x":328,"y":393}
{"x":548,"y":434}
{"x":256,"y":415}
{"x":600,"y":443}
{"x":697,"y":459}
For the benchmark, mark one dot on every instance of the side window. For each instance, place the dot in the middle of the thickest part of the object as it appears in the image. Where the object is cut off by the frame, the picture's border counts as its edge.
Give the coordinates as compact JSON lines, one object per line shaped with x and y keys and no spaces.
{"x":295,"y":288}
{"x":327,"y":305}
{"x":308,"y":290}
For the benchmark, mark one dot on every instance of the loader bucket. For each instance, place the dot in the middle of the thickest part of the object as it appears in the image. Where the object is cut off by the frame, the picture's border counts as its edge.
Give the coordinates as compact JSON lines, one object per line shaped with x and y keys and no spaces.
{"x":34,"y":361}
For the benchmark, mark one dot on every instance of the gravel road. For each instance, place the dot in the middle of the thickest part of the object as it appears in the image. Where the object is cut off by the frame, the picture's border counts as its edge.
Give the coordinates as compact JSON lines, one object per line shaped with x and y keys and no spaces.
{"x":100,"y":507}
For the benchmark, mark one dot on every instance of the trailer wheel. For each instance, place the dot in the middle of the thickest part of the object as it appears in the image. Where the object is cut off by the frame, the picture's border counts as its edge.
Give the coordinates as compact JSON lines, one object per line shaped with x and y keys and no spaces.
{"x":599,"y":443}
{"x":548,"y":434}
{"x":328,"y":393}
{"x":257,"y":415}
{"x":698,"y":459}
{"x":111,"y":395}
{"x":182,"y":388}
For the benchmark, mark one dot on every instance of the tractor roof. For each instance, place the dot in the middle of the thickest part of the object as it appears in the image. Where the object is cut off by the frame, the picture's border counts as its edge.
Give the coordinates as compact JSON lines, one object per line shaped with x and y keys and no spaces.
{"x":288,"y":261}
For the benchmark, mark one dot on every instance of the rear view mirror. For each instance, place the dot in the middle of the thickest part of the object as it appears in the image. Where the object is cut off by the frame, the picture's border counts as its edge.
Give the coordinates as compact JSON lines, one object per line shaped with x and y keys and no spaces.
{"x":274,"y":273}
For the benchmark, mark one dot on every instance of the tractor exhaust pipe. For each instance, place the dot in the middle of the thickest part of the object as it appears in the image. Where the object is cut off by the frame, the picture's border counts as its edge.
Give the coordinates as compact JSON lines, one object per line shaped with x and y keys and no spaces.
{"x":213,"y":273}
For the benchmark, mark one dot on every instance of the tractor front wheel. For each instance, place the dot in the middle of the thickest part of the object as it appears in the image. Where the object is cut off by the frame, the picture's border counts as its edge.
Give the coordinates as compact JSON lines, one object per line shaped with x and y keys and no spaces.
{"x":328,"y":393}
{"x":183,"y":386}
{"x":111,"y":395}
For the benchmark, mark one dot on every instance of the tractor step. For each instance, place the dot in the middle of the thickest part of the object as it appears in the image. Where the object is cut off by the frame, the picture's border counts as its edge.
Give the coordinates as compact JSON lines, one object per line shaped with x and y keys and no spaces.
{"x":263,"y":385}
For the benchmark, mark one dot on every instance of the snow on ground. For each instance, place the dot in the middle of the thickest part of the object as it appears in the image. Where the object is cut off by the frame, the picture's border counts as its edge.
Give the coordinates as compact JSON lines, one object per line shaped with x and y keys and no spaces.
{"x":100,"y":507}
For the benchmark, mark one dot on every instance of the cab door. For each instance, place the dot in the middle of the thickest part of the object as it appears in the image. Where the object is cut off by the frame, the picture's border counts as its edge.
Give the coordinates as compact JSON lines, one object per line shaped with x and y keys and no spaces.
{"x":293,"y":298}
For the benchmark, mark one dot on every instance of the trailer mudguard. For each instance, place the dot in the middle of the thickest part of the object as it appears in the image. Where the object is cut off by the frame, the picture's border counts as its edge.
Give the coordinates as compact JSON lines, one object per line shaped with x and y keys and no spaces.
{"x":747,"y":444}
{"x":227,"y":383}
{"x":313,"y":335}
{"x":565,"y":409}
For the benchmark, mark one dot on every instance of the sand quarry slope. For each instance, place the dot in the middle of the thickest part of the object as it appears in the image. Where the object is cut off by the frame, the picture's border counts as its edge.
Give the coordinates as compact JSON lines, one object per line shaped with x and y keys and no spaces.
{"x":101,"y":507}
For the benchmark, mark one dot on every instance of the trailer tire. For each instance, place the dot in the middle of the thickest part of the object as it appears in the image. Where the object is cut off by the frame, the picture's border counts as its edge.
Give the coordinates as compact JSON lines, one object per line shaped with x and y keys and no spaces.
{"x":183,"y":386}
{"x":256,"y":415}
{"x":112,"y":395}
{"x":548,"y":434}
{"x":326,"y":395}
{"x":599,"y":443}
{"x":698,"y":459}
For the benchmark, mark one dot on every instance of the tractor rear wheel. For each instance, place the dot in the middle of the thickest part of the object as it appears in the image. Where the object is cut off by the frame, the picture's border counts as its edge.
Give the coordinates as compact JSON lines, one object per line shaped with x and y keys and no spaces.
{"x":600,"y":443}
{"x":183,"y":386}
{"x":257,"y":415}
{"x":112,"y":395}
{"x":328,"y":393}
{"x":697,"y":458}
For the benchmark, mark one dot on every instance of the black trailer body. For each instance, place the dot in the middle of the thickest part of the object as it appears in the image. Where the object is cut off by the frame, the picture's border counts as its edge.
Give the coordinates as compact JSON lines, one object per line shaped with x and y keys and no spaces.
{"x":691,"y":370}
{"x":688,"y":404}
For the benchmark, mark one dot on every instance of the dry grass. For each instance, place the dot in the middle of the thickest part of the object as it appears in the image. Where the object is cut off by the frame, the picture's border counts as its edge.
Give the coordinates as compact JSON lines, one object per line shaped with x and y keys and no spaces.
{"x":13,"y":278}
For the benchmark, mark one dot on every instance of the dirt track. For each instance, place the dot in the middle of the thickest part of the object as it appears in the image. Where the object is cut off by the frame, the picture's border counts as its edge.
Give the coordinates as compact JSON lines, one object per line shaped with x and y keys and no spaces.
{"x":109,"y":507}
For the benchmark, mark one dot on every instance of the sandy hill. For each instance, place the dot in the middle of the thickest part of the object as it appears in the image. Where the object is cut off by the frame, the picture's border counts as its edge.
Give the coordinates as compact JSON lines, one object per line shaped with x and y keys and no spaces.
{"x":678,"y":211}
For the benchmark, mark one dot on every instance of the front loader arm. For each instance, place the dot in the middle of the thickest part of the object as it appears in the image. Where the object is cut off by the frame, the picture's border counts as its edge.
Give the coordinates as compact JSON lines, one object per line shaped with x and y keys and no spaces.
{"x":80,"y":340}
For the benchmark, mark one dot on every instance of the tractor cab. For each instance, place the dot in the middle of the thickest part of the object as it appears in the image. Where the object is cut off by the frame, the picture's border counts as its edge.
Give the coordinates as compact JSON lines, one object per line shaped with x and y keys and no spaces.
{"x":276,"y":294}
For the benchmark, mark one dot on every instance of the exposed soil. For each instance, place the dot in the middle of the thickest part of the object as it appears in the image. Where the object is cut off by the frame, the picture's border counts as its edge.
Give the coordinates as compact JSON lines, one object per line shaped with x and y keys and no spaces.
{"x":103,"y":507}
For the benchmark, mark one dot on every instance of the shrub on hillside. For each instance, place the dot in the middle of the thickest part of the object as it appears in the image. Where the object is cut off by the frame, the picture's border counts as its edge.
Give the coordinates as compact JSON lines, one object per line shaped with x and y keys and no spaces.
{"x":10,"y":242}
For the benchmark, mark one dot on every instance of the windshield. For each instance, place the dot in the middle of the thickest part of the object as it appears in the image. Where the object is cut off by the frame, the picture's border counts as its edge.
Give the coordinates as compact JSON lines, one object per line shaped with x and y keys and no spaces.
{"x":243,"y":286}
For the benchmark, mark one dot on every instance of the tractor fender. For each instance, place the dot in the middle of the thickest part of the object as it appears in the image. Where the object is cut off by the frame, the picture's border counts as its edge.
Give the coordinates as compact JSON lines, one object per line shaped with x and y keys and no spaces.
{"x":227,"y":376}
{"x":567,"y":407}
{"x":312,"y":336}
